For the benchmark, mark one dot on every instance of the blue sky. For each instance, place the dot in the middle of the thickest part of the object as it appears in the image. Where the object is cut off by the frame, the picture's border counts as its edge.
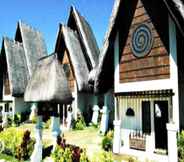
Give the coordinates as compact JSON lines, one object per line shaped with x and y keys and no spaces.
{"x":45,"y":15}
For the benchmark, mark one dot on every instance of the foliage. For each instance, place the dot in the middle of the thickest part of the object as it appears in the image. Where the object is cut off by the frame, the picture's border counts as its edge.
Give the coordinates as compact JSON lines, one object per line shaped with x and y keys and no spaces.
{"x":103,"y":156}
{"x":17,"y":143}
{"x":62,"y":155}
{"x":47,"y":124}
{"x":25,"y":149}
{"x":181,"y":146}
{"x":68,"y":153}
{"x":8,"y":158}
{"x":83,"y":156}
{"x":79,"y":124}
{"x":17,"y":119}
{"x":11,"y":139}
{"x":107,"y":141}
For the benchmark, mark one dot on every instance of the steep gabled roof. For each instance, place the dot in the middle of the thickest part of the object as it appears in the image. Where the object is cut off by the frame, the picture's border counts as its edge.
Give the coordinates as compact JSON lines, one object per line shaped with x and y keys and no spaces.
{"x":13,"y":60}
{"x":175,"y":8}
{"x":87,"y":38}
{"x":68,"y":40}
{"x":48,"y":83}
{"x":33,"y":43}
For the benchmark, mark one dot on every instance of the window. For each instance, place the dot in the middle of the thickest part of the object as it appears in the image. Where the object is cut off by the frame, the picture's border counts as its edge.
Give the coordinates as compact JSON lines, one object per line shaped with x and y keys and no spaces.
{"x":6,"y":107}
{"x":146,"y":117}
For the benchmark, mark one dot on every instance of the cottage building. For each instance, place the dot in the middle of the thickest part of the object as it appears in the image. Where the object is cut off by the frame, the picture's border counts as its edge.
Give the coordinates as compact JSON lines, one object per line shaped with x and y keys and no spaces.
{"x":145,"y":40}
{"x":18,"y":58}
{"x":78,"y":51}
{"x":50,"y":95}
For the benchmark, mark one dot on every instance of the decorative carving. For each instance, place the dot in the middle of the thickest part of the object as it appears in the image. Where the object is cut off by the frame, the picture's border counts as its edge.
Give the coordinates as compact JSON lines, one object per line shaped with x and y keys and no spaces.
{"x":141,"y":40}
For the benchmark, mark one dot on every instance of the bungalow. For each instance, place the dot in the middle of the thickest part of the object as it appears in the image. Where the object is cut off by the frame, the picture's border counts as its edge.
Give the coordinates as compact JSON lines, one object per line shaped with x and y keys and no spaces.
{"x":145,"y":40}
{"x":50,"y":95}
{"x":17,"y":59}
{"x":78,"y":51}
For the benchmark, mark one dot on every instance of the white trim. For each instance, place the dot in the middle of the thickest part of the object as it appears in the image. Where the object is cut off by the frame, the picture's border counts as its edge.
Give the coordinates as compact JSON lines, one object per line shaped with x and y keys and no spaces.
{"x":144,"y":85}
{"x":116,"y":62}
{"x":174,"y":70}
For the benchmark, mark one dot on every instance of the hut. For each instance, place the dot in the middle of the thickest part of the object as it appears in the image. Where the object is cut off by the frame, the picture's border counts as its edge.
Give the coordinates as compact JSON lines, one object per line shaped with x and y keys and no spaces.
{"x":142,"y":61}
{"x":18,"y":58}
{"x":48,"y":88}
{"x":78,"y":51}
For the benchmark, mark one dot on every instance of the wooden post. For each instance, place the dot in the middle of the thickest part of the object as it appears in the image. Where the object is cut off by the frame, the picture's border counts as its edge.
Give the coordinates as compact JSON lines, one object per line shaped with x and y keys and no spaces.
{"x":55,"y":127}
{"x":37,"y":153}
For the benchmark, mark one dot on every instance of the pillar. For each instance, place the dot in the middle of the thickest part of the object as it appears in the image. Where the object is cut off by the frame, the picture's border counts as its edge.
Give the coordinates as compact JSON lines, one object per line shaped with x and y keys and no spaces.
{"x":95,"y":111}
{"x":95,"y":114}
{"x":117,"y":129}
{"x":117,"y":136}
{"x":104,"y":120}
{"x":37,"y":152}
{"x":55,"y":127}
{"x":69,"y":117}
{"x":172,"y":142}
{"x":33,"y":114}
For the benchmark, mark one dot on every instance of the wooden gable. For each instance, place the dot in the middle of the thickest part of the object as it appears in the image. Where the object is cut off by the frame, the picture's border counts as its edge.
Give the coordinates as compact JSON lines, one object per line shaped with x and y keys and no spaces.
{"x":68,"y":70}
{"x":153,"y":66}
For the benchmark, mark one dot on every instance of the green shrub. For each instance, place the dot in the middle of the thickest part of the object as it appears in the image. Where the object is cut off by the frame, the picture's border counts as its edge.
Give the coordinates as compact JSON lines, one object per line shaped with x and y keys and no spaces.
{"x":103,"y":156}
{"x":17,"y":119}
{"x":62,"y":154}
{"x":47,"y":124}
{"x":107,"y":141}
{"x":11,"y":139}
{"x":25,"y":148}
{"x":79,"y":124}
{"x":17,"y":143}
{"x":181,"y":146}
{"x":83,"y":156}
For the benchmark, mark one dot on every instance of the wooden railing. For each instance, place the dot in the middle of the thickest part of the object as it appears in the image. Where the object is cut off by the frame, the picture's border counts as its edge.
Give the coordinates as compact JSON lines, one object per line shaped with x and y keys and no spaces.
{"x":137,"y":141}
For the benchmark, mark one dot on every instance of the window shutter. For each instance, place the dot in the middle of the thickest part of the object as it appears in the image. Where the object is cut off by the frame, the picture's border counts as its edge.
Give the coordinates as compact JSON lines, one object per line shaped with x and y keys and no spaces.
{"x":146,"y":117}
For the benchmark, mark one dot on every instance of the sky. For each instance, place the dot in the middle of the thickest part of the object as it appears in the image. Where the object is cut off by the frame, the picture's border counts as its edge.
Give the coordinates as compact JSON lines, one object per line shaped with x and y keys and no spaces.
{"x":45,"y":15}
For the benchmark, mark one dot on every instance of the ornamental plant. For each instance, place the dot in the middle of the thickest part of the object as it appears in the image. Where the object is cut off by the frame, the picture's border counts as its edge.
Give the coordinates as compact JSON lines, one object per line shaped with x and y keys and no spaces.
{"x":68,"y":153}
{"x":180,"y":143}
{"x":107,"y":141}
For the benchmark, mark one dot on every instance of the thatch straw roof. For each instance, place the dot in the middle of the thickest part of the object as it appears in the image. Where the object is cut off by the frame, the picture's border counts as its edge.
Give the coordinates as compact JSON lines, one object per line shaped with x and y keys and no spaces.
{"x":86,"y":35}
{"x":104,"y":79}
{"x":13,"y":61}
{"x":176,"y":10}
{"x":48,"y":83}
{"x":70,"y":40}
{"x":20,"y":57}
{"x":33,"y":43}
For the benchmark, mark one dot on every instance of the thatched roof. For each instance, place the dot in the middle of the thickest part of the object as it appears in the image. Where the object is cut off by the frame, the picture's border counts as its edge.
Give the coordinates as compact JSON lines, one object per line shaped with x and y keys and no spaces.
{"x":69,"y":40}
{"x":33,"y":43}
{"x":104,"y":79}
{"x":20,"y":57}
{"x":13,"y":61}
{"x":176,"y":10}
{"x":48,"y":83}
{"x":87,"y":38}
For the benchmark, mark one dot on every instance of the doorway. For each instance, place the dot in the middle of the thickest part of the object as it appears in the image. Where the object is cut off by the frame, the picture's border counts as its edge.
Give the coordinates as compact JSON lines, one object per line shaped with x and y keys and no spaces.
{"x":160,"y":121}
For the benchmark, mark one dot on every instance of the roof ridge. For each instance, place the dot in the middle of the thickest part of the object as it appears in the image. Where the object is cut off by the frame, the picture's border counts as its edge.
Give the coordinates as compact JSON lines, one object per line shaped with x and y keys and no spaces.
{"x":12,"y":41}
{"x":20,"y":22}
